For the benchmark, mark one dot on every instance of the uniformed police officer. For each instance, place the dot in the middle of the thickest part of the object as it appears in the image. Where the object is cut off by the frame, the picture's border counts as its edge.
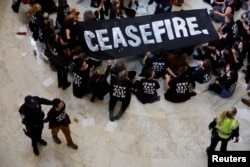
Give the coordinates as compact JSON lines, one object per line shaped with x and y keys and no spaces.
{"x":32,"y":117}
{"x":224,"y":127}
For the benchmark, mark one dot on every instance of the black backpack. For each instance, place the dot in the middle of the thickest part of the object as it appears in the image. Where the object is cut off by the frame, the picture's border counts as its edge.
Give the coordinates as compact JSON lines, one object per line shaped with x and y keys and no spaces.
{"x":15,"y":5}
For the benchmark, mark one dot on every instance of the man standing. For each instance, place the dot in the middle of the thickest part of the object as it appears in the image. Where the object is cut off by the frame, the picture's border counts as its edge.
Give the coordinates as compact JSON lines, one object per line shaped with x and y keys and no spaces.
{"x":59,"y":120}
{"x":32,"y":117}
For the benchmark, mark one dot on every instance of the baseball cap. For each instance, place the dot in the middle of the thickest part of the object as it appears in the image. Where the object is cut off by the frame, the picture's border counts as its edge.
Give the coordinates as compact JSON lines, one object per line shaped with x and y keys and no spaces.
{"x":30,"y":101}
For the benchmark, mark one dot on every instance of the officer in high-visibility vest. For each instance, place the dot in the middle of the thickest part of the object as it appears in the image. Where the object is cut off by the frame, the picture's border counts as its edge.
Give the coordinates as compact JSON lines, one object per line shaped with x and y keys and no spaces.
{"x":224,"y":127}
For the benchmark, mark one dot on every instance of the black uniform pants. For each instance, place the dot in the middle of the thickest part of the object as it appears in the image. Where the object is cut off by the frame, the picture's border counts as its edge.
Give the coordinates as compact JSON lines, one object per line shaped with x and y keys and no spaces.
{"x":35,"y":134}
{"x":214,"y":141}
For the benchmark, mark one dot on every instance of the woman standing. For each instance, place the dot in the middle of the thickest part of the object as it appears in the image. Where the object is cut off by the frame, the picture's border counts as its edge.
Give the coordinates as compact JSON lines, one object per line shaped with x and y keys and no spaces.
{"x":224,"y":127}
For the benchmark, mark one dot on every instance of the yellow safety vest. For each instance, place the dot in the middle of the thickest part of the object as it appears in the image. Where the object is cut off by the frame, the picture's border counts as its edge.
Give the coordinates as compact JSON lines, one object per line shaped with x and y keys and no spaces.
{"x":227,"y":127}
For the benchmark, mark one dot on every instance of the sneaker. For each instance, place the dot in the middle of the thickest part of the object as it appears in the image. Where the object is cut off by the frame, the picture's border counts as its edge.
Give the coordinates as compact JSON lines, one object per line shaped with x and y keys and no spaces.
{"x":57,"y":140}
{"x":246,"y":102}
{"x":72,"y":145}
{"x":42,"y":142}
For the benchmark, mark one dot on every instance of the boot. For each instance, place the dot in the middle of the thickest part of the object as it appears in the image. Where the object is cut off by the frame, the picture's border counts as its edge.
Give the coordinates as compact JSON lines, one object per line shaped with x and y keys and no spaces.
{"x":57,"y":140}
{"x":35,"y":150}
{"x":72,"y":145}
{"x":111,"y":117}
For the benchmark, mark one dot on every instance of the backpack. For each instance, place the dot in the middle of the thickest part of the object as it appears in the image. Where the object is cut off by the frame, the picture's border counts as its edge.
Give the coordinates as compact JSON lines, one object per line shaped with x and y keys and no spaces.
{"x":15,"y":5}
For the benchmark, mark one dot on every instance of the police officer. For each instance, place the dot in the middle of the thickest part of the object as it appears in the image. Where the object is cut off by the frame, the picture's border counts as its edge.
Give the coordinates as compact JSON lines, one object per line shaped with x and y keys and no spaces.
{"x":224,"y":127}
{"x":32,"y":117}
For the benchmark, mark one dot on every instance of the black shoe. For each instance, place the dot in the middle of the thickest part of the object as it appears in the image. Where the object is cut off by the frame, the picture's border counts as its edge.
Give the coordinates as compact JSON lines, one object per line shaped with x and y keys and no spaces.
{"x":35,"y":151}
{"x":42,"y":142}
{"x":111,"y":117}
{"x":57,"y":140}
{"x":66,"y":85}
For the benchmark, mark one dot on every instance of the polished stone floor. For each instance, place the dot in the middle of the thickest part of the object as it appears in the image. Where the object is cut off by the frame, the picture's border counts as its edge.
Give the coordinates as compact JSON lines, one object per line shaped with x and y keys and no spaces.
{"x":152,"y":135}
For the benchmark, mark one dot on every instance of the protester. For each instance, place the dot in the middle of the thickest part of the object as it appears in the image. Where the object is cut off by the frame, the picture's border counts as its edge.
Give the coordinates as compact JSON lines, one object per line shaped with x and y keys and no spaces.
{"x":59,"y":120}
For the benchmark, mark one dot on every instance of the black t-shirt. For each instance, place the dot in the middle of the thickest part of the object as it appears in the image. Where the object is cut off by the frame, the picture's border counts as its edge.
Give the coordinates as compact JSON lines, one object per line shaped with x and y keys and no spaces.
{"x":200,"y":75}
{"x":57,"y":118}
{"x":147,"y":89}
{"x":80,"y":80}
{"x":179,"y":85}
{"x":159,"y":65}
{"x":120,"y":90}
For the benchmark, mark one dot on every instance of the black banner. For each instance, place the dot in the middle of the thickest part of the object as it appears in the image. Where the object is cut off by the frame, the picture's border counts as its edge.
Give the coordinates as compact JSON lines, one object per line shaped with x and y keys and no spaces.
{"x":117,"y":38}
{"x":229,"y":158}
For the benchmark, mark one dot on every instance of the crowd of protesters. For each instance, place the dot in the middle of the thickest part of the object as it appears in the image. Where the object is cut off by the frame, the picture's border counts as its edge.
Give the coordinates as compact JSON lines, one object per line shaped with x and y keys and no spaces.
{"x":59,"y":43}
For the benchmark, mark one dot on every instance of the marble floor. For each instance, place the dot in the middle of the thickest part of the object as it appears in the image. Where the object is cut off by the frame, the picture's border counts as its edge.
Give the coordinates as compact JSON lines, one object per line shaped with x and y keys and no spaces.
{"x":152,"y":135}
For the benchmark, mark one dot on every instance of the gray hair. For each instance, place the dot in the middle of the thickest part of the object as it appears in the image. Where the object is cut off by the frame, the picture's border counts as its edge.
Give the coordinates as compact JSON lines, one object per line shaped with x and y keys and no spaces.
{"x":88,"y":15}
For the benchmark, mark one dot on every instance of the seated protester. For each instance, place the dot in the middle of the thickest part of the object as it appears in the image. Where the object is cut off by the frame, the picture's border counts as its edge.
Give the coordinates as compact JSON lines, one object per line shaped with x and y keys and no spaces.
{"x":201,"y":76}
{"x":239,"y":51}
{"x":120,"y":90}
{"x":177,"y":89}
{"x":222,"y":61}
{"x":146,"y":88}
{"x":225,"y":84}
{"x":228,"y":33}
{"x":176,"y":60}
{"x":119,"y":67}
{"x":218,"y":13}
{"x":98,"y":84}
{"x":157,"y":62}
{"x":81,"y":75}
{"x":90,"y":15}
